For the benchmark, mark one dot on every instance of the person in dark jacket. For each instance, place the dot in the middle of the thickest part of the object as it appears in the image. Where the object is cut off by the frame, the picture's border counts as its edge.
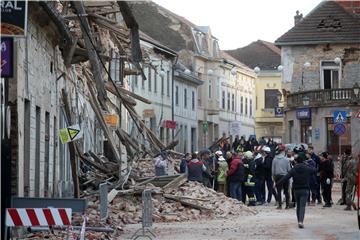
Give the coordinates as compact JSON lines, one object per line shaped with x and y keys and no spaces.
{"x":207,"y":160}
{"x":317,"y":162}
{"x":236,"y":143}
{"x":301,"y":175}
{"x":312,"y":182}
{"x":249,"y":180}
{"x":196,"y":168}
{"x":259,"y":175}
{"x":236,"y":177}
{"x":326,"y":177}
{"x":268,"y":175}
{"x":184,"y":162}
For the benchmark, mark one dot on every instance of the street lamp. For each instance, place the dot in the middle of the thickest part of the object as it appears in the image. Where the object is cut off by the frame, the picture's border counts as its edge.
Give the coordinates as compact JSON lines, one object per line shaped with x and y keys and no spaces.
{"x":280,"y":68}
{"x":233,"y":71}
{"x":256,"y":70}
{"x":306,"y":100}
{"x":187,"y":71}
{"x":306,"y":65}
{"x":337,"y":60}
{"x":162,"y":73}
{"x":210,"y":72}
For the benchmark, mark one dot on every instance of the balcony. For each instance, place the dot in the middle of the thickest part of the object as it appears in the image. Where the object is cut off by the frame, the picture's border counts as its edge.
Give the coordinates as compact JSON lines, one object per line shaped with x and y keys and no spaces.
{"x":324,"y":98}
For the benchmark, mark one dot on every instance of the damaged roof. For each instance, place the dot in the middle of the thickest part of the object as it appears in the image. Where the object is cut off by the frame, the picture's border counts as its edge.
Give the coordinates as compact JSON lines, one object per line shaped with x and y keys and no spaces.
{"x":163,"y":25}
{"x":262,"y":54}
{"x":329,"y":22}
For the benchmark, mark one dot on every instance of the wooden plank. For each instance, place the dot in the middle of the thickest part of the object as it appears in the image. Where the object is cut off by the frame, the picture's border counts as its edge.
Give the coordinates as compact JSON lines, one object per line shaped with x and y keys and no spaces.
{"x":120,"y":34}
{"x":94,"y":60}
{"x":174,"y":184}
{"x":185,"y":203}
{"x":109,"y":86}
{"x":70,"y":53}
{"x":98,"y":114}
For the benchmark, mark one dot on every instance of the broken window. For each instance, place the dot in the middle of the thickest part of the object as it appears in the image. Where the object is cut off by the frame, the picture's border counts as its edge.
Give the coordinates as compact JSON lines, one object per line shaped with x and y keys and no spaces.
{"x":250,"y":110}
{"x":115,"y":67}
{"x":330,"y":75}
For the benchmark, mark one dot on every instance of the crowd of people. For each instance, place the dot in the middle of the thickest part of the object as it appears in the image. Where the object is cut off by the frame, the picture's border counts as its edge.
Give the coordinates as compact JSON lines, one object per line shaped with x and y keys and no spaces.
{"x":245,"y":169}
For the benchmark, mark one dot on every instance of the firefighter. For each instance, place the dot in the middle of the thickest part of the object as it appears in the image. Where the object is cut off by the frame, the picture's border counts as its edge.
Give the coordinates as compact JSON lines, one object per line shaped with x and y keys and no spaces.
{"x":249,"y":183}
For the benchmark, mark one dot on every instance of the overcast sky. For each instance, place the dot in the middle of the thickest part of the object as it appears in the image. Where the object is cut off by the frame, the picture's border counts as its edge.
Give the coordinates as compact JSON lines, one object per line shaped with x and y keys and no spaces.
{"x":237,"y":23}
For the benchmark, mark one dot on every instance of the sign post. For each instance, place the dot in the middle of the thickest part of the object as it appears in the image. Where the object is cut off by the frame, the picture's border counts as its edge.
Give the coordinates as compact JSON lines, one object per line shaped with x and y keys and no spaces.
{"x":70,"y":133}
{"x":339,"y":118}
{"x":205,"y":127}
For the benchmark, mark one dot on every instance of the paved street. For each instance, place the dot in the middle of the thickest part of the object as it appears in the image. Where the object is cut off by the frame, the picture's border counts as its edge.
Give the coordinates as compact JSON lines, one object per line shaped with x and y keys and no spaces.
{"x":320,"y":223}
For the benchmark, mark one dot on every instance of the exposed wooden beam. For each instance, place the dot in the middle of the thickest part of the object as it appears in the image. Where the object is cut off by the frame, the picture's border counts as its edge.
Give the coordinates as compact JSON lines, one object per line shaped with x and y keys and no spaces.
{"x":93,"y":57}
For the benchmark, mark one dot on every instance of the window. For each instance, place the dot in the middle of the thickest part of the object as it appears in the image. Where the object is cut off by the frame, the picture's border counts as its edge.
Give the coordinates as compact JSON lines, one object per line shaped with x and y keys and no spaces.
{"x":228,"y":101}
{"x":115,"y":67}
{"x":271,"y":99}
{"x":149,"y":79}
{"x":177,"y":95}
{"x":135,"y":79}
{"x":162,"y":85}
{"x":193,"y":100}
{"x":168,"y":83}
{"x":291,"y":131}
{"x":210,"y":88}
{"x":185,"y":98}
{"x":330,"y":75}
{"x":223,"y":100}
{"x":155,"y":81}
{"x":143,"y":81}
{"x":246,"y":106}
{"x":233,"y":102}
{"x":250,"y":110}
{"x":242,"y":105}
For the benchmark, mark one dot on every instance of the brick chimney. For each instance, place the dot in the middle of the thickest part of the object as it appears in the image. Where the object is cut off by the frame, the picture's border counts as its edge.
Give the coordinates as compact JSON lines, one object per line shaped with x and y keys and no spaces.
{"x":297,"y":17}
{"x":352,"y":7}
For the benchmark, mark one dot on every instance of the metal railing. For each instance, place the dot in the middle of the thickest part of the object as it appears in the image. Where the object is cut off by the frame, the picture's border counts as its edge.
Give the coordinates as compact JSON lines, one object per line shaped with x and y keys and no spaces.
{"x":323,"y":97}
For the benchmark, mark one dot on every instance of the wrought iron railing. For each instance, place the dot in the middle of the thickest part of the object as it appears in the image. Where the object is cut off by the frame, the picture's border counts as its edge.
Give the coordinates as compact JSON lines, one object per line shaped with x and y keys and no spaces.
{"x":323,"y":97}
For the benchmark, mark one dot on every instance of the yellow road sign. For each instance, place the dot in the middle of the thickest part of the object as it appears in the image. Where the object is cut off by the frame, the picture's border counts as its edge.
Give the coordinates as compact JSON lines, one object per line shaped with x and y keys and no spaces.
{"x":70,"y":133}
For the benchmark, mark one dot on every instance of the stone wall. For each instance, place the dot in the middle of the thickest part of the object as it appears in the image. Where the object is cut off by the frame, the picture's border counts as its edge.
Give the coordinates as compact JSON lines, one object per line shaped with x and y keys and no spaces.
{"x":294,"y":57}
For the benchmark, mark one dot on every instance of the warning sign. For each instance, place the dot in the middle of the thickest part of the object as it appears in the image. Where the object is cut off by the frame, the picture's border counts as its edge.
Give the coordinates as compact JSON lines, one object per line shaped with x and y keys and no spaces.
{"x":70,"y":134}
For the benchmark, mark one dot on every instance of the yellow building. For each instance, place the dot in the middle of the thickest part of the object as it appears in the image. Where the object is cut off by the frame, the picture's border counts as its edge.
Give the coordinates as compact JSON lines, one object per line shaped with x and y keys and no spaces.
{"x":264,"y":57}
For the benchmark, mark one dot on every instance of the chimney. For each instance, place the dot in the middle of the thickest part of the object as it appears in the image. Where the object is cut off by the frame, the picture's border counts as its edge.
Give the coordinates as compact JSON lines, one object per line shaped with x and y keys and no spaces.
{"x":297,"y":17}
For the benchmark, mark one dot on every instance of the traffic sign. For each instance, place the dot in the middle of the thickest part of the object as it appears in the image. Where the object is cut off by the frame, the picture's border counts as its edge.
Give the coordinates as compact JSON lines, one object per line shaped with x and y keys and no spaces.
{"x":339,"y":116}
{"x":70,"y":133}
{"x":339,"y":129}
{"x":279,"y":112}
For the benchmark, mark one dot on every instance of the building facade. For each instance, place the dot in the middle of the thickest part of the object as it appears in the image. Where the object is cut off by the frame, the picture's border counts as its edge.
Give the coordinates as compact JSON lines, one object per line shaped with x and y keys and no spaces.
{"x":321,"y":77}
{"x":265,"y":58}
{"x":157,"y":88}
{"x":236,"y":98}
{"x":185,"y":109}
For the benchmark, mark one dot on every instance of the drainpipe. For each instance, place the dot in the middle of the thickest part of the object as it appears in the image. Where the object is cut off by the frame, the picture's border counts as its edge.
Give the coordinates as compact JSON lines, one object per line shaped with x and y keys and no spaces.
{"x":172,"y":95}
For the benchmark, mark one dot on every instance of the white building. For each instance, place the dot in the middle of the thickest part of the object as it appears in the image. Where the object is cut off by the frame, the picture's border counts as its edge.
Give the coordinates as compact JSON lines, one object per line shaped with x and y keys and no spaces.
{"x":236,"y":98}
{"x":185,"y":105}
{"x":158,"y":87}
